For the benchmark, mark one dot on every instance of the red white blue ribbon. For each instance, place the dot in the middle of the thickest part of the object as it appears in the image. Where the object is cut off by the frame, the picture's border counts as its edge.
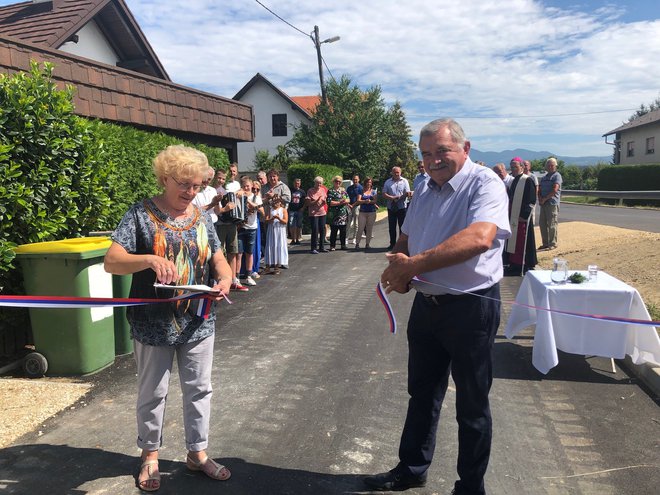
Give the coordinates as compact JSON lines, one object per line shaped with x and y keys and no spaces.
{"x":380,"y":291}
{"x":71,"y":302}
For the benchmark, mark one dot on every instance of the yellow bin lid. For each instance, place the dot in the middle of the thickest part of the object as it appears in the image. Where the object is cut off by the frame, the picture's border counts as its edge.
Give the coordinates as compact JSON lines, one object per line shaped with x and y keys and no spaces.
{"x":80,"y":248}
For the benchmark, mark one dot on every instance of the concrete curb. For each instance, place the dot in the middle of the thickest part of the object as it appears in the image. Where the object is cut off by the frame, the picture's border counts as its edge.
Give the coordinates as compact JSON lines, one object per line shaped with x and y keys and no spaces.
{"x":648,"y":374}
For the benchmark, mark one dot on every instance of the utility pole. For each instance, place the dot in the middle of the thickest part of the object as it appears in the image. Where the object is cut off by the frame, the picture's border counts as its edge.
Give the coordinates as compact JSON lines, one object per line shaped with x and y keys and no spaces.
{"x":317,"y":44}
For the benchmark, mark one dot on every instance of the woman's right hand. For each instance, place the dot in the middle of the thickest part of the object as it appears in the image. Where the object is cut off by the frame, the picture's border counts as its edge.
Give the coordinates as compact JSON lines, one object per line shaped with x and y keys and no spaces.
{"x":166,"y":271}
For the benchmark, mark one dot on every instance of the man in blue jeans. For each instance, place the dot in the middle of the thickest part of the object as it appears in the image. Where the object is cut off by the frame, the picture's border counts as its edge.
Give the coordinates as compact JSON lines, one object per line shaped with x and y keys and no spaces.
{"x":452,"y":239}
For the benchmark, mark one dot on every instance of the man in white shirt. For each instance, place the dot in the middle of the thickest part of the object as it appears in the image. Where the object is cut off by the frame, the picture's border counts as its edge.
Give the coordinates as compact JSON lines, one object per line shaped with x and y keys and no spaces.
{"x":227,"y":231}
{"x":208,"y":199}
{"x":500,"y":170}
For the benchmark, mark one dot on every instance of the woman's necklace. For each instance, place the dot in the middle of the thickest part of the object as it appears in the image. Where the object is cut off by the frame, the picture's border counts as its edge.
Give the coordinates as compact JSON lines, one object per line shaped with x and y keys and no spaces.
{"x":175,"y":215}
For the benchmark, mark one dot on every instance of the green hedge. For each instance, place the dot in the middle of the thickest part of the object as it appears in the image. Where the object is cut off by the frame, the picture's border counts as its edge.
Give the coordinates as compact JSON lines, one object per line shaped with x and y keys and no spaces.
{"x":128,"y":154}
{"x":52,"y":181}
{"x":630,"y":178}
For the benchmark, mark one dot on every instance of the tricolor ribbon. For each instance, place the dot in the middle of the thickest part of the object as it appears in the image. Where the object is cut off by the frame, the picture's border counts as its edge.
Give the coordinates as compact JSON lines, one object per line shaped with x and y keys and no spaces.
{"x":380,"y":291}
{"x":71,"y":302}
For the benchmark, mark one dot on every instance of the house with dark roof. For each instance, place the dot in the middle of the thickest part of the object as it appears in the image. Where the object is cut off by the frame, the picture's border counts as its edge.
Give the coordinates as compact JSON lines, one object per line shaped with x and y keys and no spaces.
{"x":276,"y":114}
{"x":634,"y":142}
{"x":98,"y":47}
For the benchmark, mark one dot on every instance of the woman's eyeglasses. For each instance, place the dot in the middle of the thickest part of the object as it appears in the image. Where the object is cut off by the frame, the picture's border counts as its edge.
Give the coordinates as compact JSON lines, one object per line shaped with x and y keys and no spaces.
{"x":185,"y":186}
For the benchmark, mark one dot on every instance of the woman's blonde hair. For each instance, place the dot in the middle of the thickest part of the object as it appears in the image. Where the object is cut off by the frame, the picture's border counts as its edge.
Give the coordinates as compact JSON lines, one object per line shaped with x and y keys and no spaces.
{"x":338,"y":177}
{"x":180,"y":162}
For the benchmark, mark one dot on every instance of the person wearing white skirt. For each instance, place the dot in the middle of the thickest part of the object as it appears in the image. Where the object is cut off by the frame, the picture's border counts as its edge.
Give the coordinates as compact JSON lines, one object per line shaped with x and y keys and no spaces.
{"x":277,"y":253}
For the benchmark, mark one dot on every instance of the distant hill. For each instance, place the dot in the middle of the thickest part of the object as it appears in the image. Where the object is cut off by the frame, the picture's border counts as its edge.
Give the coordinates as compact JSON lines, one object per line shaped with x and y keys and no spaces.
{"x":493,"y":157}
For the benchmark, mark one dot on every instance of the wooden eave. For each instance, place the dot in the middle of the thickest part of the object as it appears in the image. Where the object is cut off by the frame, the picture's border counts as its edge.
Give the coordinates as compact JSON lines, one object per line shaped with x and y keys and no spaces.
{"x":126,"y":97}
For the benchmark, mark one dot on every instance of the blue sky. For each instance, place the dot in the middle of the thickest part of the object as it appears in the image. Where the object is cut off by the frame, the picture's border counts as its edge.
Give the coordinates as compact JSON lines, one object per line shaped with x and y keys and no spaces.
{"x":546,"y":75}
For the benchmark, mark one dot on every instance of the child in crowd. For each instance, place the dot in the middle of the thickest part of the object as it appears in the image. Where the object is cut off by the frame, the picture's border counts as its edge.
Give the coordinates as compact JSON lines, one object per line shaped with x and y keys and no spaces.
{"x":277,"y":253}
{"x":247,"y":233}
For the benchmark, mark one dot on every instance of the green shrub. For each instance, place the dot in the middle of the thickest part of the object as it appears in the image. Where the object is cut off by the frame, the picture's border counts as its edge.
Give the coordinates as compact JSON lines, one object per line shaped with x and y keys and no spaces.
{"x":631,"y":178}
{"x":306,"y":172}
{"x":52,"y":184}
{"x":128,"y":154}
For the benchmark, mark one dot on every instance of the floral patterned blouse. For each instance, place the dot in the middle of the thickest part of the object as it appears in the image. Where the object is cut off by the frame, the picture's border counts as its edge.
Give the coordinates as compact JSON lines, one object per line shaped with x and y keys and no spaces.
{"x":337,"y":215}
{"x":189,"y":243}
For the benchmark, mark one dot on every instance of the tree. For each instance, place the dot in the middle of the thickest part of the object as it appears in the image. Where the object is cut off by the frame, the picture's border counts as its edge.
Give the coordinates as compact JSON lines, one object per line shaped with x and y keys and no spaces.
{"x":280,"y":161}
{"x":355,"y":132}
{"x":402,"y":153}
{"x":643,"y":109}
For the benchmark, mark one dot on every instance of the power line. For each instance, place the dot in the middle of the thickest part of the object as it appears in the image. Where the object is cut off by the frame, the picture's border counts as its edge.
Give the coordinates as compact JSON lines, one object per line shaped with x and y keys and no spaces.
{"x":328,"y":69}
{"x":283,"y":20}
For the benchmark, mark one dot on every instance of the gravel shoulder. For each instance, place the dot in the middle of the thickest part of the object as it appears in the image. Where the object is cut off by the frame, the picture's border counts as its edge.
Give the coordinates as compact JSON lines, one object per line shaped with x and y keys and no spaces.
{"x":629,"y":255}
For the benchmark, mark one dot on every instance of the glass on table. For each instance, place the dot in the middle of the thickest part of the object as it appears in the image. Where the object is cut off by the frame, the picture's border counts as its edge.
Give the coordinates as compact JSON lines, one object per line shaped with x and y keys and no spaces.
{"x":593,"y":272}
{"x":559,"y":273}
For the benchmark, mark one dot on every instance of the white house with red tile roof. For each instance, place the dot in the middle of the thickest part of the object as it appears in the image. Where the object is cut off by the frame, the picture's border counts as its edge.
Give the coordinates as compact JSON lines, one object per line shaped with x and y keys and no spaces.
{"x":276,"y":114}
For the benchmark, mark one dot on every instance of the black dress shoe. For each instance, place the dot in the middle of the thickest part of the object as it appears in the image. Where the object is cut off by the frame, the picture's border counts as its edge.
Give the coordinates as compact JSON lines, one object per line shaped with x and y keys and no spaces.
{"x":394,"y":481}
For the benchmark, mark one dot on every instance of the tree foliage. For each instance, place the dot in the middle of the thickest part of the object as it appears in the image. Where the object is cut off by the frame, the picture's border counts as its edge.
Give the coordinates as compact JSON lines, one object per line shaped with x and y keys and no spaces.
{"x":52,"y":183}
{"x":643,"y":109}
{"x":355,"y":131}
{"x":280,"y":161}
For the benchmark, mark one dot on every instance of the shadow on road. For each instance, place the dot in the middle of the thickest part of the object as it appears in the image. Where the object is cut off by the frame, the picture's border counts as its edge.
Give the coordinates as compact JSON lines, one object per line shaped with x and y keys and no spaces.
{"x":514,"y":362}
{"x":70,"y":468}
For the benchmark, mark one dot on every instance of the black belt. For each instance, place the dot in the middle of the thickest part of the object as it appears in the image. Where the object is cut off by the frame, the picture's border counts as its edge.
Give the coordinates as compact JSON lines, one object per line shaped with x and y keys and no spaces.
{"x":445,"y":298}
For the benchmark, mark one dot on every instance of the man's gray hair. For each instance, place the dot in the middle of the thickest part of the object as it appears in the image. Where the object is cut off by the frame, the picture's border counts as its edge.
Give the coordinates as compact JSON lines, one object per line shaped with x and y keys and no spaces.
{"x":455,"y":130}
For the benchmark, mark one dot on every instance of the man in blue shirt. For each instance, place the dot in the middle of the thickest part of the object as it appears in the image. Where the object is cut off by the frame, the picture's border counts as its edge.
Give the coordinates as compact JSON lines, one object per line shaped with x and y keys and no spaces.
{"x":353,"y":191}
{"x":452,"y":239}
{"x":549,"y":197}
{"x":421,"y":176}
{"x":397,"y":191}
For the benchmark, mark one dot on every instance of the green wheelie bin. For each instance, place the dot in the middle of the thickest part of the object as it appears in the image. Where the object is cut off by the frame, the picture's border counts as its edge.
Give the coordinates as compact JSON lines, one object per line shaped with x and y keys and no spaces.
{"x":72,"y":341}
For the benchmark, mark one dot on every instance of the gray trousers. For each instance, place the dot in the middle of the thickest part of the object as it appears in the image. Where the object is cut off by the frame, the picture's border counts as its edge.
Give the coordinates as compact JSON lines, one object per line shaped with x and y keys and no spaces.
{"x":548,"y":224}
{"x":352,"y":223}
{"x":154,"y":367}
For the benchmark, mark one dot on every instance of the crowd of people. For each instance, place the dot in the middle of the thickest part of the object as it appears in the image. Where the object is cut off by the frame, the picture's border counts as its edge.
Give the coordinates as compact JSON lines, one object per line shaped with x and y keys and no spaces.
{"x":525,"y":190}
{"x":257,"y":220}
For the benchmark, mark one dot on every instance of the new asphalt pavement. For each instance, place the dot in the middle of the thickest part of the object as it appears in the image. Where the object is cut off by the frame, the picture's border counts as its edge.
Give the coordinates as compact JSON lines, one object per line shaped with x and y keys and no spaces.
{"x":310,"y":395}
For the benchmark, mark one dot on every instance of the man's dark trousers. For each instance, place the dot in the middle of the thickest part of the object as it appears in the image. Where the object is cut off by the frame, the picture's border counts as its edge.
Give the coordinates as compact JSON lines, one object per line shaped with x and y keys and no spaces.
{"x":395,"y":217}
{"x":451,"y":334}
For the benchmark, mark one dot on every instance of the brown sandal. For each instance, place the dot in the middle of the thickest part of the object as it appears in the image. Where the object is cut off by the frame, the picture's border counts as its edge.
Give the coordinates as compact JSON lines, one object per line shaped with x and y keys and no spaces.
{"x":210,"y":468}
{"x":152,"y":482}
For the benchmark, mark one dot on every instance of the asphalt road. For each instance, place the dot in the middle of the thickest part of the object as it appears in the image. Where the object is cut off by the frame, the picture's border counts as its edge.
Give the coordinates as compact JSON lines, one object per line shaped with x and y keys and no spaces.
{"x":625,"y":218}
{"x":310,"y":395}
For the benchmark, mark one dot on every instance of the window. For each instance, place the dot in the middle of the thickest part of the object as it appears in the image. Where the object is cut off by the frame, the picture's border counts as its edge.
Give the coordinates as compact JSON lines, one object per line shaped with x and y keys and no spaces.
{"x":279,"y":124}
{"x":630,"y":148}
{"x":650,"y":145}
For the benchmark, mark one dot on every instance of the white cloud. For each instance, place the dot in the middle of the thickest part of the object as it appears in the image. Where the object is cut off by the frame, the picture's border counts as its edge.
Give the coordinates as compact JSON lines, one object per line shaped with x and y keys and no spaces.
{"x":498,"y":66}
{"x":469,"y":59}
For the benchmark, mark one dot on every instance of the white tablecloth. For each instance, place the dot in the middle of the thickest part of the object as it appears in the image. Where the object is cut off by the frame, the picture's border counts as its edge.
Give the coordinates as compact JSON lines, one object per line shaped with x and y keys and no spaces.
{"x":606,"y":296}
